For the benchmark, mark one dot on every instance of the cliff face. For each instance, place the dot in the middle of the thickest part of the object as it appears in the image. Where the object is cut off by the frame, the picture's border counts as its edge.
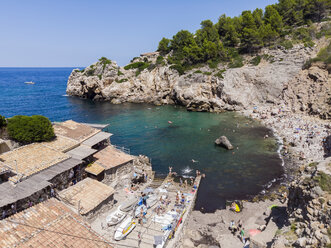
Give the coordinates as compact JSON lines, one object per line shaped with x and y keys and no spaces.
{"x":309,"y":205}
{"x":277,"y":80}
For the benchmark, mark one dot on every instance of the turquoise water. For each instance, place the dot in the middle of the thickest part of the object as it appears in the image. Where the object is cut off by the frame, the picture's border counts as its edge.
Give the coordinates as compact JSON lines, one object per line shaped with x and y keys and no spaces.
{"x":145,"y":129}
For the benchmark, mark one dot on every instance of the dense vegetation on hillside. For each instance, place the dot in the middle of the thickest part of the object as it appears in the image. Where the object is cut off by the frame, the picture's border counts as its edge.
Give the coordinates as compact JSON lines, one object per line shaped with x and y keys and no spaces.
{"x":247,"y":33}
{"x":28,"y":129}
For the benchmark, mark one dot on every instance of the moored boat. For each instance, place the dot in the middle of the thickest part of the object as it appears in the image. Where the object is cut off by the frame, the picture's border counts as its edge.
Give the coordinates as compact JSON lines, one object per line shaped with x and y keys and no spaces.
{"x":30,"y":82}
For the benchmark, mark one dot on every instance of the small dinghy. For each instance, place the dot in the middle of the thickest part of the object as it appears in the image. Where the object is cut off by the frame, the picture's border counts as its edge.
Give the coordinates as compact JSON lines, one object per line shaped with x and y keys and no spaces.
{"x":151,"y":200}
{"x":139,"y":209}
{"x":125,"y":228}
{"x":29,"y":82}
{"x":115,"y":217}
{"x":128,"y":204}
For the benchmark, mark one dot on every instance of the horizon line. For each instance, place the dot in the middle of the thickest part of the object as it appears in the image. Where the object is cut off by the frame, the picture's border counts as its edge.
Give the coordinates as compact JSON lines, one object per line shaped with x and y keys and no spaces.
{"x":41,"y":66}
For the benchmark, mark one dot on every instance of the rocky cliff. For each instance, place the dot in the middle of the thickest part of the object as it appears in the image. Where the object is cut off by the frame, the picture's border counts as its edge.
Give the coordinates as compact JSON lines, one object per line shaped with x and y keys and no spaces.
{"x":309,"y":207}
{"x":278,"y":79}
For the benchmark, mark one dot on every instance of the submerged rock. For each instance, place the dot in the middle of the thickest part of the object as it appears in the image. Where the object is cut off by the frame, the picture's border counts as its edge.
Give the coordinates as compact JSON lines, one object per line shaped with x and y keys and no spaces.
{"x":224,"y":142}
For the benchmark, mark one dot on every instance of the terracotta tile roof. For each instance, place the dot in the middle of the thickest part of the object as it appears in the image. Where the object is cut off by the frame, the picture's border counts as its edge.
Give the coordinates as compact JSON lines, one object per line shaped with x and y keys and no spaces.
{"x":74,"y":130}
{"x":31,"y":159}
{"x":95,"y":169}
{"x":111,"y":157}
{"x":48,"y":224}
{"x":62,"y":144}
{"x":88,"y":193}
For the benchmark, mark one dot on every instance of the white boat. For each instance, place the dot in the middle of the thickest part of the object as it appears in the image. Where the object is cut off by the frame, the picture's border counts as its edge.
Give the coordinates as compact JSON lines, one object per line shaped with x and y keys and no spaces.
{"x":29,"y":82}
{"x":164,"y":239}
{"x":125,"y":228}
{"x":128,"y":205}
{"x":151,"y":200}
{"x":115,"y":217}
{"x":138,"y":210}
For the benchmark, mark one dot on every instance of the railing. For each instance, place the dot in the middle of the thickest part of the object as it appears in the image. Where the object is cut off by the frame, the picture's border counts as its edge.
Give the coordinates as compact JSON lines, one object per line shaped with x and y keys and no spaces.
{"x":122,"y":148}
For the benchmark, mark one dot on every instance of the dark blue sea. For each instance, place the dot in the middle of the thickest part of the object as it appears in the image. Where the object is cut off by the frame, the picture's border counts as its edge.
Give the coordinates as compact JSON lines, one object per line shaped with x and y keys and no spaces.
{"x":144,"y":129}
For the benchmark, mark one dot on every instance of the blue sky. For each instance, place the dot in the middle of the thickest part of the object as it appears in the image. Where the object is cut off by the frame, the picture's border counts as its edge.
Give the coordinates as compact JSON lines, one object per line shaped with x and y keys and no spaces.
{"x":77,"y":33}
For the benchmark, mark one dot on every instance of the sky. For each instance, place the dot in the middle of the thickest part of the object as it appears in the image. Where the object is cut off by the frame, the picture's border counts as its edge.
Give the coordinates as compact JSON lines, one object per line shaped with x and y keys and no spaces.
{"x":76,"y":33}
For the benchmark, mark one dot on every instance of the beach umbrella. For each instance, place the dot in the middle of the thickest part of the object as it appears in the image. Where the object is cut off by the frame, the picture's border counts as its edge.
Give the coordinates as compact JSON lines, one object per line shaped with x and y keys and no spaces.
{"x":253,"y":232}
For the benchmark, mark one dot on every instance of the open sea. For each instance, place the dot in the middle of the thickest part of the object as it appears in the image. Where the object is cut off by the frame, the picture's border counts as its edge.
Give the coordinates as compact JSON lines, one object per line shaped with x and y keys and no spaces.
{"x":187,"y":144}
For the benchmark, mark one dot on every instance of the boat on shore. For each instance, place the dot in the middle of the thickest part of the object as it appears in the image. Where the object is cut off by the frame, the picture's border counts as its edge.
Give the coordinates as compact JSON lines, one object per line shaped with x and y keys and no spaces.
{"x":115,"y":217}
{"x":30,"y":82}
{"x":128,"y":204}
{"x":125,"y":228}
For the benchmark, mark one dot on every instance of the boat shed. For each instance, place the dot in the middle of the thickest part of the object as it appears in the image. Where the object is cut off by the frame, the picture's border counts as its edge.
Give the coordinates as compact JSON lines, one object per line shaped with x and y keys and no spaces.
{"x":95,"y":171}
{"x":10,"y":194}
{"x":74,"y":130}
{"x":87,"y":195}
{"x":49,"y":224}
{"x":28,"y":160}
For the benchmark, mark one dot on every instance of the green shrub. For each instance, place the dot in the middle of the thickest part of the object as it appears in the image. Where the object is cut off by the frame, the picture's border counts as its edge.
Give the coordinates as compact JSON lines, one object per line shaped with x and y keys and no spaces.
{"x":219,"y":74}
{"x":237,"y":62}
{"x":324,"y":32}
{"x":91,"y":71}
{"x":137,"y":65}
{"x":198,"y":71}
{"x":122,"y":80}
{"x":119,"y":73}
{"x":28,"y":129}
{"x":208,"y":73}
{"x":256,"y":60}
{"x":105,"y":62}
{"x":179,"y":68}
{"x":287,"y":44}
{"x":213,"y":63}
{"x":100,"y":76}
{"x":160,"y":60}
{"x":324,"y":181}
{"x":3,"y":121}
{"x":313,"y":164}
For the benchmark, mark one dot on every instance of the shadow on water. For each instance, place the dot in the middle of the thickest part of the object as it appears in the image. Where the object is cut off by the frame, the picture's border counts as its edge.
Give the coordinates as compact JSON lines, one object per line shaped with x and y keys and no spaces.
{"x":169,"y":135}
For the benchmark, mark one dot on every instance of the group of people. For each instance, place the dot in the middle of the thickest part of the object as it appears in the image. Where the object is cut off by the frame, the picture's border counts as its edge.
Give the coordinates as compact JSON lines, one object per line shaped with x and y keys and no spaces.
{"x":235,"y":228}
{"x":180,"y":199}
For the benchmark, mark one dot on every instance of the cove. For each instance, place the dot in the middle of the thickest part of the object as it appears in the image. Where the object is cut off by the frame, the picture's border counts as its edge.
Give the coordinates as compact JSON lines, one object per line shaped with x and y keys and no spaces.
{"x":145,"y":129}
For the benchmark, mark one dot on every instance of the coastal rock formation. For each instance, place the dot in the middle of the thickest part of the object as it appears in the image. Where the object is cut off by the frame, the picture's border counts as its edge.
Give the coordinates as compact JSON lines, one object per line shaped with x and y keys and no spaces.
{"x":224,"y":142}
{"x":278,"y":79}
{"x":309,"y":206}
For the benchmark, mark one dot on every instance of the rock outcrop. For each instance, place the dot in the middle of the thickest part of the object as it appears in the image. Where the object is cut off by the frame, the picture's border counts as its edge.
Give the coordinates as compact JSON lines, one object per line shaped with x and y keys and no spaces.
{"x":224,"y":142}
{"x":278,"y":79}
{"x":309,"y":206}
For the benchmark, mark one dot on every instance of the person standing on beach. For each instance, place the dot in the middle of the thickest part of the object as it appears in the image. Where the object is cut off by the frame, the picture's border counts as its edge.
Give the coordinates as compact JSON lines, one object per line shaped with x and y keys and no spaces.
{"x":242,"y":234}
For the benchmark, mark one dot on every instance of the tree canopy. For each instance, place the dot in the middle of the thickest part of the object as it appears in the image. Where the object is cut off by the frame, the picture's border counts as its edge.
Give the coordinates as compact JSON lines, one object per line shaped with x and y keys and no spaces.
{"x":28,"y":129}
{"x":246,"y":33}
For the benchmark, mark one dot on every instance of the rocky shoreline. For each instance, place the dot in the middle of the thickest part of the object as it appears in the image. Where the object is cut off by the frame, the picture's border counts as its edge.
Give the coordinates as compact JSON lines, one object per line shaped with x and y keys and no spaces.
{"x":204,"y":230}
{"x":291,"y":101}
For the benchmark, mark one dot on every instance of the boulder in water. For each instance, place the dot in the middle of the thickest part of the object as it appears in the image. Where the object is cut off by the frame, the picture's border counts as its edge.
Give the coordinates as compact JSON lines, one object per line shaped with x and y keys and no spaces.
{"x":223,"y":141}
